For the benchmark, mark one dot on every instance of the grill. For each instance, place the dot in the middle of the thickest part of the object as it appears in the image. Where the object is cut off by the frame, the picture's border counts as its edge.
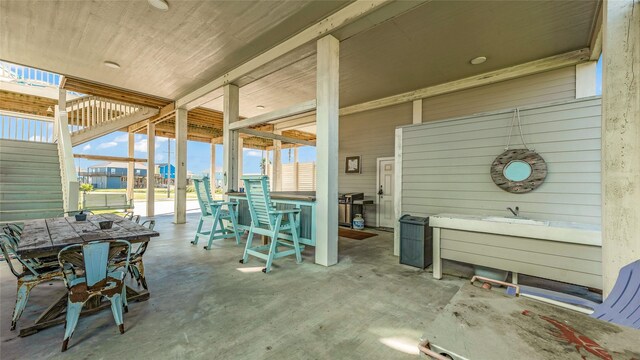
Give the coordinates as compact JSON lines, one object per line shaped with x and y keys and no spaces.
{"x":347,"y":209}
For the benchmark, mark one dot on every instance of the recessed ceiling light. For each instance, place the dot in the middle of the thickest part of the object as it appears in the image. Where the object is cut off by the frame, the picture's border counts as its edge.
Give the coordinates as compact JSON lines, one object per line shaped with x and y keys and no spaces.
{"x":159,"y":4}
{"x":261,"y":107}
{"x":478,"y":60}
{"x":112,"y":64}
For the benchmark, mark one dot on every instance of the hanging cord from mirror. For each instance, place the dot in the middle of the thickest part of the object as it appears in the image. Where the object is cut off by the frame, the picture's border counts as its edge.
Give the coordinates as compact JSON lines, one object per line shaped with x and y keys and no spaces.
{"x":516,"y":115}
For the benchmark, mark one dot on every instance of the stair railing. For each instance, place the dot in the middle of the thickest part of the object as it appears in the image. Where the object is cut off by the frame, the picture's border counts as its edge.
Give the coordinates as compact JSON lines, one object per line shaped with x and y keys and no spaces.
{"x":68,"y":174}
{"x":90,"y":111}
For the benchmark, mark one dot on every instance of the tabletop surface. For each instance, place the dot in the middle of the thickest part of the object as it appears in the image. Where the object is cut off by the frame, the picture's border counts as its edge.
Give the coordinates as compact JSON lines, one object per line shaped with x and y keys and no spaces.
{"x":46,"y":236}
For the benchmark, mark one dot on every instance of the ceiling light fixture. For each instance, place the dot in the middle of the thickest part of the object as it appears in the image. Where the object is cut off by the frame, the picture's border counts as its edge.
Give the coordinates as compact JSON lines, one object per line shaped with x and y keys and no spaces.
{"x":161,"y":5}
{"x":112,"y":64}
{"x":479,"y":60}
{"x":261,"y":107}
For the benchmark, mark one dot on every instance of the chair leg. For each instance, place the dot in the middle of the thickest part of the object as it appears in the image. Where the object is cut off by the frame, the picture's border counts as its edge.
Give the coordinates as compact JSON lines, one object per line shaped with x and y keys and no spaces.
{"x":116,"y":309}
{"x":139,"y":266}
{"x":296,"y":240}
{"x":214,"y":225}
{"x":245,"y":256}
{"x":234,"y":222}
{"x":22,"y":296}
{"x":195,"y":240}
{"x":73,"y":313}
{"x":273,"y":248}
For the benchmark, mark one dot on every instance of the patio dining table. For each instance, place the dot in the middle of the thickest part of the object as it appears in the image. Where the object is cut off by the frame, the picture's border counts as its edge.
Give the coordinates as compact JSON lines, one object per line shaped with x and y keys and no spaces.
{"x":46,"y":237}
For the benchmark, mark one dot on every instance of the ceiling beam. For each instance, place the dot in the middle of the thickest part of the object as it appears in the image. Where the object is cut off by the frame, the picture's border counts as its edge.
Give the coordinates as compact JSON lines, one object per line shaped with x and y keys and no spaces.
{"x":22,"y":115}
{"x":296,"y":109}
{"x":111,"y":92}
{"x":595,"y":45}
{"x":267,"y":135}
{"x":108,"y":158}
{"x":341,"y":18}
{"x":530,"y":68}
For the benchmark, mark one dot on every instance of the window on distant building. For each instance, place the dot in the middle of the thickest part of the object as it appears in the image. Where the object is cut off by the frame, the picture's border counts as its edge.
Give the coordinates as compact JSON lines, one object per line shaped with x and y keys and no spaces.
{"x":113,"y":170}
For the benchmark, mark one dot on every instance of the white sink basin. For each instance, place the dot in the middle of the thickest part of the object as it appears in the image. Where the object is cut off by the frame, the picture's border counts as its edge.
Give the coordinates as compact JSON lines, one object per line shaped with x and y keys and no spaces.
{"x":514,"y":220}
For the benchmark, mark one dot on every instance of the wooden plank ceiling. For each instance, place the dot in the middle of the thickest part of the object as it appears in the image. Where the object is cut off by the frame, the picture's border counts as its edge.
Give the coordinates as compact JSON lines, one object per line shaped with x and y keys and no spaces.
{"x":27,"y":104}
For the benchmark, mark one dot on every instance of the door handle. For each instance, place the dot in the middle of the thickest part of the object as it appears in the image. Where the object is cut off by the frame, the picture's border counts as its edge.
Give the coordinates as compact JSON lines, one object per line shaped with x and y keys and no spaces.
{"x":380,"y":192}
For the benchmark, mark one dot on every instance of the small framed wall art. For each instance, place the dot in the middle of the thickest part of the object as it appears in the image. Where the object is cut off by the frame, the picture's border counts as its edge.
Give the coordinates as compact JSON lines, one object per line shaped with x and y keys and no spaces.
{"x":352,"y":165}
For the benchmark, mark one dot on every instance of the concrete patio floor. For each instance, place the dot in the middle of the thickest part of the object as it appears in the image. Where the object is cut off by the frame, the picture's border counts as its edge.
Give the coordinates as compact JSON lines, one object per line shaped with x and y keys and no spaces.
{"x":204,"y":304}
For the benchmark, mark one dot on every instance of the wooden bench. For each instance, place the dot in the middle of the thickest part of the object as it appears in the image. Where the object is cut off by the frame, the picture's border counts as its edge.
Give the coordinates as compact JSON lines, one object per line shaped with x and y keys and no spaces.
{"x":106,"y":201}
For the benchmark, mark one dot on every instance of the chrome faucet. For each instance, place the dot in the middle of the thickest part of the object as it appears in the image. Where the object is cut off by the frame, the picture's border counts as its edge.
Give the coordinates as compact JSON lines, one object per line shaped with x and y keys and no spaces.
{"x":515,"y":212}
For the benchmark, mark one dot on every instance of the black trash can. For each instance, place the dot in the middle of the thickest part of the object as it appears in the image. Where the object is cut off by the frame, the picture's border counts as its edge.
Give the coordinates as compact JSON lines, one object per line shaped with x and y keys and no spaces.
{"x":416,"y":241}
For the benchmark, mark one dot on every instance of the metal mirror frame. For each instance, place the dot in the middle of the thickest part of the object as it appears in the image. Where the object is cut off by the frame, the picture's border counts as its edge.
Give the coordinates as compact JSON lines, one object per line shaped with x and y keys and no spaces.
{"x":538,"y":170}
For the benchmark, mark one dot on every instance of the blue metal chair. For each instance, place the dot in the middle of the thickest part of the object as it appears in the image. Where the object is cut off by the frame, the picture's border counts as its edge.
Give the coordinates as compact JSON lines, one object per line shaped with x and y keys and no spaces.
{"x":91,"y":276}
{"x":31,"y":275}
{"x":213,"y":211}
{"x":266,"y":220}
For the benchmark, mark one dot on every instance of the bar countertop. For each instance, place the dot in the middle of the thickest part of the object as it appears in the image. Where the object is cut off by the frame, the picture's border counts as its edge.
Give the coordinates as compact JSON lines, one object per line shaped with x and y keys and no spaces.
{"x":309,"y":196}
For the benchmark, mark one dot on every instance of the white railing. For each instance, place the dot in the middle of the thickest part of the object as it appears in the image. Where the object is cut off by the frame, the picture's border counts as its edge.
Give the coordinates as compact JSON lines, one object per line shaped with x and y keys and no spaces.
{"x":24,"y":127}
{"x":68,"y":174}
{"x":28,"y":76}
{"x":90,"y":111}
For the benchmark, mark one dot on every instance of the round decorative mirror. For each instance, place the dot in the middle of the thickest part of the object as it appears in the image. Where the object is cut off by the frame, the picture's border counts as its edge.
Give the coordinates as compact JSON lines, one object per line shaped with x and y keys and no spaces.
{"x":518,"y":170}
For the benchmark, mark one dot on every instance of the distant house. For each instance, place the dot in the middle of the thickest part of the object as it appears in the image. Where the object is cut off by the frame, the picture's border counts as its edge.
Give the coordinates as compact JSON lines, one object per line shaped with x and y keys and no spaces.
{"x":113,"y":175}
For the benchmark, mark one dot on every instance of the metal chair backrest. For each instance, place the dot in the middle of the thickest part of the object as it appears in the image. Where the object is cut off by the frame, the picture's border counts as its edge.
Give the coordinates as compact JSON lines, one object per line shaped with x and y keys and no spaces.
{"x":259,"y":200}
{"x":9,"y":247}
{"x":93,"y":258}
{"x":203,"y":192}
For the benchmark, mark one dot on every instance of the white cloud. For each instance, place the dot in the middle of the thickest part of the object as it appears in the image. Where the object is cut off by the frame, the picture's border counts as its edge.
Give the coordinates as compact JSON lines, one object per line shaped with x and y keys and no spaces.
{"x":122,"y":138}
{"x":141,"y":146}
{"x":86,"y":147}
{"x":107,"y":145}
{"x":254,"y":153}
{"x":161,"y":139}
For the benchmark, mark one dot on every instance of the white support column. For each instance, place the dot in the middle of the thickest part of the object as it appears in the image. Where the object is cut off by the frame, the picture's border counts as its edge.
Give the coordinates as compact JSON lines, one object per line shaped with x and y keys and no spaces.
{"x":131,"y":176}
{"x":586,"y":79}
{"x":417,"y":111}
{"x":327,"y":96}
{"x":231,"y":108}
{"x":212,"y":171}
{"x":277,"y":163}
{"x":62,"y":106}
{"x":180,"y":205}
{"x":296,"y":170}
{"x":240,"y":162}
{"x":151,"y":167}
{"x":620,"y":138}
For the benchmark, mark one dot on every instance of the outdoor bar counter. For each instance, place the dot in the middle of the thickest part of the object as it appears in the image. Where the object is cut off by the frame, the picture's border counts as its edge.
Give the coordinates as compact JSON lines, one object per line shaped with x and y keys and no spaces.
{"x":303,"y":200}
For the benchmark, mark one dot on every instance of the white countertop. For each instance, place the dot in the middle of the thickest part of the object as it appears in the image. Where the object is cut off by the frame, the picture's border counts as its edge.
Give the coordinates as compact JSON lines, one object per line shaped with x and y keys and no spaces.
{"x":578,"y":233}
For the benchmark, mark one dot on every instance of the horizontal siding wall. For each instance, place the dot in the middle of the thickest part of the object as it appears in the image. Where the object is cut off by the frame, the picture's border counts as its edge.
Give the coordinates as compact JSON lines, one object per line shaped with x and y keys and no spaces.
{"x":446,"y":164}
{"x":543,"y":88}
{"x":371,"y":135}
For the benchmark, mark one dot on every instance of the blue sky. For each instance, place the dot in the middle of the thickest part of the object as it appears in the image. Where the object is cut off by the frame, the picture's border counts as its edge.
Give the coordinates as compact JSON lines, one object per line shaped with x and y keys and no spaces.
{"x":198,"y":153}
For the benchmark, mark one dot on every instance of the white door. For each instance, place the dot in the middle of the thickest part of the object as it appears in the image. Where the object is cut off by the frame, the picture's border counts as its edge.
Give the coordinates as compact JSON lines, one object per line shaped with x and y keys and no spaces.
{"x":385,"y":192}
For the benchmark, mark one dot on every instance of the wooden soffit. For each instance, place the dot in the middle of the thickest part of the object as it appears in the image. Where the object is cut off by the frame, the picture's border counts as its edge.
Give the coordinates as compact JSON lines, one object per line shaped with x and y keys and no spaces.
{"x":111,"y":92}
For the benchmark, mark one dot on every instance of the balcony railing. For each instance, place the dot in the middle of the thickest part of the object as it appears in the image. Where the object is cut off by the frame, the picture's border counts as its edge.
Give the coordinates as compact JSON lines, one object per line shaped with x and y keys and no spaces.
{"x":17,"y":126}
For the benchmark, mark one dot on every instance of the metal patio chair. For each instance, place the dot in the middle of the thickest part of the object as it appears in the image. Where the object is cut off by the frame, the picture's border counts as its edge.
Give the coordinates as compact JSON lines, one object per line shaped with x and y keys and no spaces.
{"x":92,"y":277}
{"x":213,"y":210}
{"x":266,"y":220}
{"x":31,"y":275}
{"x":136,"y":266}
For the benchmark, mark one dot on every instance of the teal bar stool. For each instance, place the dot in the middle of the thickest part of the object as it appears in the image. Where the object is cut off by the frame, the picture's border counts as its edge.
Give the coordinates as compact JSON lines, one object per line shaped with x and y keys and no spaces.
{"x":214,"y":211}
{"x":266,"y":220}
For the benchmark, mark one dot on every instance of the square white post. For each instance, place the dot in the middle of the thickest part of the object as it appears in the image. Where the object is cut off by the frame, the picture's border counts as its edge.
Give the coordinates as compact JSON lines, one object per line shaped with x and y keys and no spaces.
{"x":180,"y":206}
{"x":277,"y":163}
{"x":212,"y":171}
{"x":620,"y":138}
{"x":327,"y":97}
{"x":151,"y":167}
{"x":231,"y":108}
{"x":240,"y":161}
{"x":131,"y":167}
